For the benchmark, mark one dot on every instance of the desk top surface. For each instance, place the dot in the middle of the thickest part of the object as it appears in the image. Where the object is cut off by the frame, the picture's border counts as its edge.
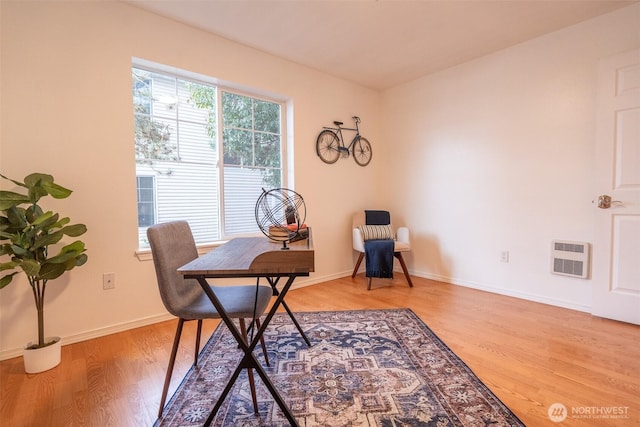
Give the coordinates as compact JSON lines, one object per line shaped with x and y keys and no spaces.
{"x":253,"y":256}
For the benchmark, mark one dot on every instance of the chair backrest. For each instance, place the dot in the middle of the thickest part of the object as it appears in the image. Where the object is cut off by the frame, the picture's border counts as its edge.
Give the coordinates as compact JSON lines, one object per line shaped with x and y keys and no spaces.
{"x":172,"y":246}
{"x":359,"y":218}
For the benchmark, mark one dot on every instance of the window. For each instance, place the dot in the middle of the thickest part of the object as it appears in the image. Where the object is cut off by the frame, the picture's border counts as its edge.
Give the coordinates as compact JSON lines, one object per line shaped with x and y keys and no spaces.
{"x":146,"y":201}
{"x":195,"y":164}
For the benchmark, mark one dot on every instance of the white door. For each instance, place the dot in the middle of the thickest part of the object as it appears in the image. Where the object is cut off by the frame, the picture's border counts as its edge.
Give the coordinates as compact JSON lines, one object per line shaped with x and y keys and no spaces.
{"x":616,"y":250}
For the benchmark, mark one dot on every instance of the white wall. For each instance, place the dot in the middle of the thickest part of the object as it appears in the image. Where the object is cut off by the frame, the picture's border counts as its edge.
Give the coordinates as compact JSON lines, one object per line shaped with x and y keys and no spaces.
{"x":67,"y":111}
{"x":494,"y":154}
{"x":498,"y":154}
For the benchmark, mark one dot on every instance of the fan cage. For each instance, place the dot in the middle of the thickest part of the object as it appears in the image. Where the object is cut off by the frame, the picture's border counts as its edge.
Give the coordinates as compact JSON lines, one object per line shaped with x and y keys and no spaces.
{"x":280,"y":214}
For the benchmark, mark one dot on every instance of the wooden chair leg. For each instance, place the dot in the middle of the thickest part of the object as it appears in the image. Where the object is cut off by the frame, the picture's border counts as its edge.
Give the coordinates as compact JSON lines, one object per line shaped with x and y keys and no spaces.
{"x":355,"y":270}
{"x":172,"y":361}
{"x":198,"y":334}
{"x":404,"y":268}
{"x":369,"y":283}
{"x":264,"y":346}
{"x":252,"y":385}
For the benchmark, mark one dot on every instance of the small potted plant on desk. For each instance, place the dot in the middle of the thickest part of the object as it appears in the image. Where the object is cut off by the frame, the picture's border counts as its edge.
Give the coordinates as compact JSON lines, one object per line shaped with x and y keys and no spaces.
{"x":28,"y":236}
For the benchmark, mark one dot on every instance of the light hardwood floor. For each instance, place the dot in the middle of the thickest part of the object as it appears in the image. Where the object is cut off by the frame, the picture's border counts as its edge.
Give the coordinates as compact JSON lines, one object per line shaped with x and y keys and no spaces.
{"x":530,"y":355}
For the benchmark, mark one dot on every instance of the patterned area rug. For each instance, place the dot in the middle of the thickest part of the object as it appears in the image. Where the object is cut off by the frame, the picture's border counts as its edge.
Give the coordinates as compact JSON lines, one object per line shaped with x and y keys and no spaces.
{"x":364,"y":368}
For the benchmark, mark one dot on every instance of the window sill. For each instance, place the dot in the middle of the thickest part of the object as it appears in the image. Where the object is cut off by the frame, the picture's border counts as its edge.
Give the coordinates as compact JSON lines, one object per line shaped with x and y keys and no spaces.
{"x":145,"y":254}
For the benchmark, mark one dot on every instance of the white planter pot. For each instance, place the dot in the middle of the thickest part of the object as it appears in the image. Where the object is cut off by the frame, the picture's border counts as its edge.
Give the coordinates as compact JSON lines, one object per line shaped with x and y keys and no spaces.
{"x":42,"y":359}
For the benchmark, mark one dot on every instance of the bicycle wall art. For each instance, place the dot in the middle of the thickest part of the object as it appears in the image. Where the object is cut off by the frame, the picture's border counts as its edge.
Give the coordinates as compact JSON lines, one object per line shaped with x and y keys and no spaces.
{"x":330,"y":144}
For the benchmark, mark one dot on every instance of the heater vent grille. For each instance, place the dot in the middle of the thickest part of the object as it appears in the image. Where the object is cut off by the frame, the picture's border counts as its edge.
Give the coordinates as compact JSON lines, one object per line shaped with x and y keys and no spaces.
{"x":570,"y":258}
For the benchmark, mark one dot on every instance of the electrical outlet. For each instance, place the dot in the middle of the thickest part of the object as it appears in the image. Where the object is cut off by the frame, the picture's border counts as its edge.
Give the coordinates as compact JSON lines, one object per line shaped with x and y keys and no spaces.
{"x":504,"y":256}
{"x":108,"y":281}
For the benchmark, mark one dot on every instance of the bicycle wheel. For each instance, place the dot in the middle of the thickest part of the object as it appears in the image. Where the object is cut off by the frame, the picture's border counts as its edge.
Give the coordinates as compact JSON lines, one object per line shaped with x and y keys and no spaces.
{"x":362,"y":151}
{"x":327,"y":146}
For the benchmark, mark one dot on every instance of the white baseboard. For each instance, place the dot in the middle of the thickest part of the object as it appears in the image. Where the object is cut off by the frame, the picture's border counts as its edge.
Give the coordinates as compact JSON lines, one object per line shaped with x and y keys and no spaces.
{"x":125,"y":326}
{"x":96,"y":333}
{"x":308,"y":281}
{"x":494,"y":290}
{"x":503,"y":291}
{"x":301,"y":283}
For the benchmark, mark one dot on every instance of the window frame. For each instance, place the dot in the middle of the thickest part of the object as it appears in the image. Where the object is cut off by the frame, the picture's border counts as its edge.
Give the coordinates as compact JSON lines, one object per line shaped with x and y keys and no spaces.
{"x":220,"y":131}
{"x":222,"y":86}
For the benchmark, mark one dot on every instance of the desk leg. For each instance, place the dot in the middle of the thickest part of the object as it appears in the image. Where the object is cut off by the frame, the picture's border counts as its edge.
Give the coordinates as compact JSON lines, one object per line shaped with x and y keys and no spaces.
{"x":273,"y":284}
{"x":248,"y":361}
{"x":236,"y":334}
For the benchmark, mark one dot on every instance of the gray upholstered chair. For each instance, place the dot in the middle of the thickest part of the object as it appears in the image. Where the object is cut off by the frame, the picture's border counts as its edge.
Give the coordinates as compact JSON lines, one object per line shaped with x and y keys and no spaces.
{"x":172,"y":246}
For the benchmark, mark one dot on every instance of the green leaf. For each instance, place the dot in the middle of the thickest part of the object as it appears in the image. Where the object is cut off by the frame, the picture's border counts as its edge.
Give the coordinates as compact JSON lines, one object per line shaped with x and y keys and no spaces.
{"x":6,"y":248}
{"x":16,"y":217}
{"x":76,"y":246}
{"x":42,"y":218}
{"x":74,"y":230}
{"x":6,"y":279}
{"x":32,"y":212}
{"x":51,"y":271}
{"x":30,"y":267}
{"x":57,"y":191}
{"x":21,"y":184}
{"x":8,"y":265}
{"x":49,"y":223}
{"x":37,"y":179}
{"x":69,"y":255}
{"x":40,"y":184}
{"x":82,"y":259}
{"x":63,"y":222}
{"x":36,"y":193}
{"x":19,"y":251}
{"x":48,"y":239}
{"x":62,"y":258}
{"x":9,"y":199}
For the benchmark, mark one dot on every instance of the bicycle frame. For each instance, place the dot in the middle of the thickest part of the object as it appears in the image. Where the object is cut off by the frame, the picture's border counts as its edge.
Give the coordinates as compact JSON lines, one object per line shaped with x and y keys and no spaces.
{"x":338,"y":132}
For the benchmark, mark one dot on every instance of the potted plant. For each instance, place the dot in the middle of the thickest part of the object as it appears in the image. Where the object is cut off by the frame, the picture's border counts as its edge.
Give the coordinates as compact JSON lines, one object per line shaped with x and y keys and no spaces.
{"x":29,"y":237}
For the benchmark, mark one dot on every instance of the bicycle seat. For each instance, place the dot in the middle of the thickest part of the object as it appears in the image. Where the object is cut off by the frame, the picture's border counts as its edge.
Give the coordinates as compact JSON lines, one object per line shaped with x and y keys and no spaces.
{"x":338,"y":123}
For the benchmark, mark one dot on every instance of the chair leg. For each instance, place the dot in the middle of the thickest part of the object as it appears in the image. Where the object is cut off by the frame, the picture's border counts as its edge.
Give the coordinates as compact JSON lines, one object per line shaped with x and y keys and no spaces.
{"x":264,"y":346}
{"x":369,"y":283}
{"x":252,"y":384}
{"x":198,"y":334}
{"x":172,"y":361}
{"x":355,"y":270}
{"x":404,"y":268}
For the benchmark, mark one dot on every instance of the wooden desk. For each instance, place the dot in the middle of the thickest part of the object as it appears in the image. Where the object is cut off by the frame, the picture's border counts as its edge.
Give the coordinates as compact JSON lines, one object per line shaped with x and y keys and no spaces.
{"x":253,"y":257}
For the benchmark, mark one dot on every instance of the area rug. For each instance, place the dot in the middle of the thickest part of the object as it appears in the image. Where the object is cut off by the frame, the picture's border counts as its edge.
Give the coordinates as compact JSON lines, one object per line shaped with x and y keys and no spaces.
{"x":363,"y":368}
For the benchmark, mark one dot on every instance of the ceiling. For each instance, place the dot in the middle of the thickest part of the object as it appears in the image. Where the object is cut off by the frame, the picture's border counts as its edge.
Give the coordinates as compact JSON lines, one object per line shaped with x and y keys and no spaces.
{"x":380,"y":44}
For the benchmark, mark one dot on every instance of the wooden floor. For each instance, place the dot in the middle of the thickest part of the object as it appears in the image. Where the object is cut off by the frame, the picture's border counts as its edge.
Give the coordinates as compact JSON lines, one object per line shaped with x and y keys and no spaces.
{"x":530,"y":355}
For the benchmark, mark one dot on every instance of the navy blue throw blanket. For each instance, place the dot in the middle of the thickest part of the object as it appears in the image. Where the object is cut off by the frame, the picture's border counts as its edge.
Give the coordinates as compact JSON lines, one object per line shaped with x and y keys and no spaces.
{"x":378,"y":253}
{"x":379,"y":258}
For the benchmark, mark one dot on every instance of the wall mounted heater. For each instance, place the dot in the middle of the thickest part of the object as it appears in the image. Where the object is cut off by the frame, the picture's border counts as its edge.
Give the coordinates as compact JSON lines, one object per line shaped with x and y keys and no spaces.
{"x":570,"y":258}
